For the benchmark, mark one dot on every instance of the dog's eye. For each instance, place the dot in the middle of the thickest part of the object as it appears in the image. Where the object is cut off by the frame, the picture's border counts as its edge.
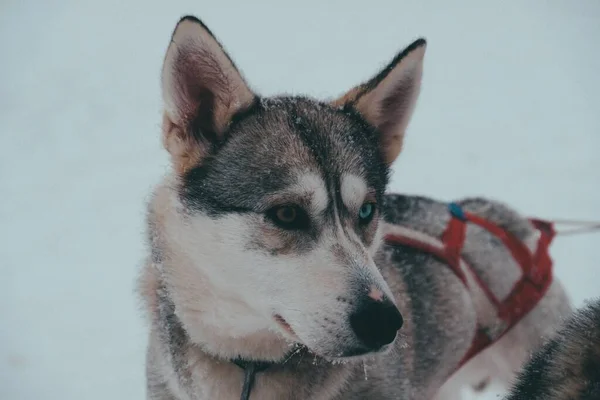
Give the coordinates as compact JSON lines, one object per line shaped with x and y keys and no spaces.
{"x":366,"y":213}
{"x":288,"y":217}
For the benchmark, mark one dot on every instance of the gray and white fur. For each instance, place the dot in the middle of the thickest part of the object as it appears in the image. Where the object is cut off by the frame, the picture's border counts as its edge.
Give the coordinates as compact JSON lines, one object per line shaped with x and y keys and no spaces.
{"x":265,"y":243}
{"x":568,"y":366}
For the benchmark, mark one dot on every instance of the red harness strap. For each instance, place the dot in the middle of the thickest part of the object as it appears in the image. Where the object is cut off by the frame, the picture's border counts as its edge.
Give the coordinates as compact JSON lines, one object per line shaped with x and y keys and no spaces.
{"x":536,"y":269}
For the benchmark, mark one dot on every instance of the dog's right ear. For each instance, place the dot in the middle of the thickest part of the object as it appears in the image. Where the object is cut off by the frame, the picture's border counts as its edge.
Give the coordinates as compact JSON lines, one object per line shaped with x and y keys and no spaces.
{"x":202,"y":90}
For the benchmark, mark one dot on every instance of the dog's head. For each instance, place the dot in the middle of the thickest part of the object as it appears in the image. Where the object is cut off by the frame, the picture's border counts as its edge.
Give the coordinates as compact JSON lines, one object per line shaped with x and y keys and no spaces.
{"x":280,"y":197}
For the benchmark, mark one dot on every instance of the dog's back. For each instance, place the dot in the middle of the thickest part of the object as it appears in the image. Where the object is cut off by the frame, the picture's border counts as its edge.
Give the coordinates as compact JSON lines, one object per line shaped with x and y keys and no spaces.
{"x":494,"y":264}
{"x":568,"y":366}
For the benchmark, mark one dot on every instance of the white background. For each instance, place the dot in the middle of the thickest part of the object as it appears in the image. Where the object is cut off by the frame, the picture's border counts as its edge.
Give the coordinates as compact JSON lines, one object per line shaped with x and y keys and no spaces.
{"x":510,"y":109}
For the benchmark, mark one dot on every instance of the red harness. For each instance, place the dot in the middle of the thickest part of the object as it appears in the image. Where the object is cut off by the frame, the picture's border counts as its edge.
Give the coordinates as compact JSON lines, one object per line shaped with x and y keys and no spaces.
{"x":526,"y":293}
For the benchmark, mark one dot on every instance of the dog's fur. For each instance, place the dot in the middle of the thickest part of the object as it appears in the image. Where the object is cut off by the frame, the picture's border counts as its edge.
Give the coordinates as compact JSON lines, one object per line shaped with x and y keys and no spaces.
{"x":225,"y":280}
{"x":568,"y":366}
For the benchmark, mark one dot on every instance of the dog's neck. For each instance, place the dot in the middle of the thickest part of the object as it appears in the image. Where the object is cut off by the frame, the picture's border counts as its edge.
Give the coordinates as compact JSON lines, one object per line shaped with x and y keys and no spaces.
{"x":184,"y":355}
{"x":240,"y":351}
{"x":177,"y":339}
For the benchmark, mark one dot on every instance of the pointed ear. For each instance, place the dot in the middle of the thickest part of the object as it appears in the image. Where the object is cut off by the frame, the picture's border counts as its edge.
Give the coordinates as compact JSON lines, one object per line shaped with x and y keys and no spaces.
{"x":387,"y":101}
{"x":202,"y":90}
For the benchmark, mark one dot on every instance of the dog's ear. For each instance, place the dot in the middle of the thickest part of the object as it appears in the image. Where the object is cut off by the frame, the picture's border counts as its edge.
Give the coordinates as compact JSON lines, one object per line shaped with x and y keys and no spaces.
{"x":387,"y":100}
{"x":202,"y":90}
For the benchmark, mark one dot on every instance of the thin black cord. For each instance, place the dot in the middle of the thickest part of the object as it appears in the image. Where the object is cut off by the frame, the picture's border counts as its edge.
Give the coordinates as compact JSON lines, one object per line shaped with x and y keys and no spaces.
{"x":249,"y":376}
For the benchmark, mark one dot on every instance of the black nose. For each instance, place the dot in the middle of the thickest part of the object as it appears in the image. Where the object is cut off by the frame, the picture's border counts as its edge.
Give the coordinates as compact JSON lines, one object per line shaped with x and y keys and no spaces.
{"x":376,"y":323}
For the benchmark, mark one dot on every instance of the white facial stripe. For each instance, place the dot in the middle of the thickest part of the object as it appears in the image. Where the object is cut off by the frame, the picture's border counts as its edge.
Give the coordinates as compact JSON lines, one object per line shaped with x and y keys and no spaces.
{"x":354,"y":190}
{"x":313,"y":185}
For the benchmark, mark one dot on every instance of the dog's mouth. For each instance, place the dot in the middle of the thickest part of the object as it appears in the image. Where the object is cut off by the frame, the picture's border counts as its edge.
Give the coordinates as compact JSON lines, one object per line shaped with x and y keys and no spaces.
{"x":351,"y":356}
{"x":286,"y":327}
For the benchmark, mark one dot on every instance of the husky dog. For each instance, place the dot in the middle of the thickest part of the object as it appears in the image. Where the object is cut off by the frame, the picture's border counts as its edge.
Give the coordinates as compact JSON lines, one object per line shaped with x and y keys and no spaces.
{"x":267,"y":276}
{"x":568,"y":366}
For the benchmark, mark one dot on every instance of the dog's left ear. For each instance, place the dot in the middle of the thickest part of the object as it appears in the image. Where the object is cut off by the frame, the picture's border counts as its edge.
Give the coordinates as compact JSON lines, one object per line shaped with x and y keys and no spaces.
{"x":202,"y":91}
{"x":387,"y":100}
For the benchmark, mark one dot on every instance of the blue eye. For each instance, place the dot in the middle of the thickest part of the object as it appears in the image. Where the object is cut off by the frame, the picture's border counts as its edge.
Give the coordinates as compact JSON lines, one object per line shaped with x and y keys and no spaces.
{"x":366,"y":212}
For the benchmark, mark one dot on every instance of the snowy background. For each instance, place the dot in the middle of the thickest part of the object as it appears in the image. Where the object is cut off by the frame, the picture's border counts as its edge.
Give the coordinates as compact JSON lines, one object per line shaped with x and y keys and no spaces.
{"x":510,"y":109}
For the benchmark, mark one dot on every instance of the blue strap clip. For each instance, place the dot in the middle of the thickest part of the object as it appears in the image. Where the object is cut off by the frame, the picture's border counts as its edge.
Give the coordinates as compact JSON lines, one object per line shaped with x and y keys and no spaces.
{"x":456,"y":211}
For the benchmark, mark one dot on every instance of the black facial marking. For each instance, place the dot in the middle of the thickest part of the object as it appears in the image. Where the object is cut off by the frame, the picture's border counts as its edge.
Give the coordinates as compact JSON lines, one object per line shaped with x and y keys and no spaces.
{"x":254,"y":159}
{"x":336,"y":147}
{"x":223,"y":185}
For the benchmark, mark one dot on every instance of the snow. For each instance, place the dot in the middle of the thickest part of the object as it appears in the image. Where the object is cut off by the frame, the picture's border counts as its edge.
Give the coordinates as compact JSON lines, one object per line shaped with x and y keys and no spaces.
{"x":509,"y":109}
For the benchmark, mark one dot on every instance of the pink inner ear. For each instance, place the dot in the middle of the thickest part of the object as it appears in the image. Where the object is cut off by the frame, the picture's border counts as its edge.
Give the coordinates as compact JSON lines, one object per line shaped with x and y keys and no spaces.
{"x":389,"y":105}
{"x":201,"y":86}
{"x":195,"y":82}
{"x":396,"y":105}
